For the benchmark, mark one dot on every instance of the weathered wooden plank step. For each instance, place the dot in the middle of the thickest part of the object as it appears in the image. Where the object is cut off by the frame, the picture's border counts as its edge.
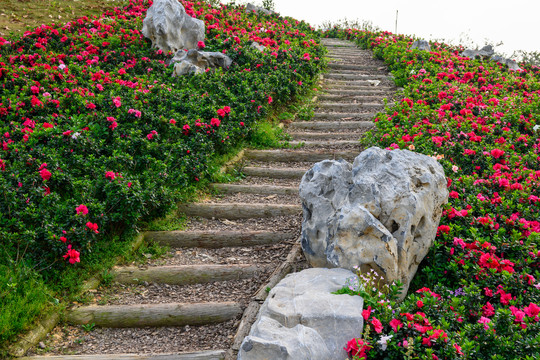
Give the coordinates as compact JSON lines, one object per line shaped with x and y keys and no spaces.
{"x":331,"y":125}
{"x":346,"y":107}
{"x":215,"y":239}
{"x":320,"y":143}
{"x":298,"y":156}
{"x":155,"y":315}
{"x":274,"y":173}
{"x":324,"y":135}
{"x":354,"y":77}
{"x":199,"y":355}
{"x":343,"y":115}
{"x":183,"y":274}
{"x":256,"y":189}
{"x":236,"y":211}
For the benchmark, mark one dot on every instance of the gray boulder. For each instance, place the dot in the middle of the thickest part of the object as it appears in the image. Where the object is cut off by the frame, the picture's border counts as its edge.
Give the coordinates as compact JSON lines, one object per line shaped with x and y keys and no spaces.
{"x":197,"y":62}
{"x":169,"y":27}
{"x":251,"y":8}
{"x":484,"y":53}
{"x":258,"y":46}
{"x":381,"y":213}
{"x":512,"y":64}
{"x":421,"y":45}
{"x":302,"y":319}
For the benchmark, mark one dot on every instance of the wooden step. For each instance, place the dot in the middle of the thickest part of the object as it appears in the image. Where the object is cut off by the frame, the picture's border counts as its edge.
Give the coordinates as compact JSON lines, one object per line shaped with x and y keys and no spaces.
{"x":343,"y":116}
{"x":350,"y":98}
{"x":183,"y":274}
{"x":155,"y":315}
{"x":339,"y":66}
{"x":331,"y":125}
{"x":199,"y":355}
{"x":274,"y":173}
{"x":350,"y":107}
{"x":324,"y":135}
{"x":322,"y":143}
{"x":215,"y":239}
{"x":354,"y":77}
{"x":256,"y":189}
{"x":298,"y":156}
{"x":237,"y":211}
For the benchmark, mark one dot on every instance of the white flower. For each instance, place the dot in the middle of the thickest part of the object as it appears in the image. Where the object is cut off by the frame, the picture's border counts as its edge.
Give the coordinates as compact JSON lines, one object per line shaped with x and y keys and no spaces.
{"x":383,"y":341}
{"x":62,"y":66}
{"x":75,"y":135}
{"x":455,"y":168}
{"x":536,"y":127}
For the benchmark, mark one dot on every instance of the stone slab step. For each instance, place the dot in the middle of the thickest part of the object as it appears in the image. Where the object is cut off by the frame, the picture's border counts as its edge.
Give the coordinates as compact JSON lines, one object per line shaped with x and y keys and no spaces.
{"x":183,"y":274}
{"x":350,"y":83}
{"x":274,"y":173}
{"x":343,"y":116}
{"x":199,"y":355}
{"x":331,"y":125}
{"x":256,"y":189}
{"x":354,"y":77}
{"x":350,"y":107}
{"x":333,"y":86}
{"x":324,"y":135}
{"x":298,"y":156}
{"x":215,"y":239}
{"x":322,"y":143}
{"x":155,"y":315}
{"x":236,"y":211}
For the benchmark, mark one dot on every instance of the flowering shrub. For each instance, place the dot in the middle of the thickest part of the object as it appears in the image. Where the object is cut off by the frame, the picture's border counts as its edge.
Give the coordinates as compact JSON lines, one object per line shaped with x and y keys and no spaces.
{"x":95,"y":133}
{"x":477,"y":293}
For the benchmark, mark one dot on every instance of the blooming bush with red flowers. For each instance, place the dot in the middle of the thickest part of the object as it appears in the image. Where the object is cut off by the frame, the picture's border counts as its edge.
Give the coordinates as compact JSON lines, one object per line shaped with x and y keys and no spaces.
{"x":477,"y":293}
{"x":96,"y":134}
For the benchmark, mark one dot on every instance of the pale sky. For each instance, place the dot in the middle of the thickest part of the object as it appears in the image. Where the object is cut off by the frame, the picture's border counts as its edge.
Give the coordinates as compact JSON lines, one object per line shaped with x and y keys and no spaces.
{"x":515,"y":22}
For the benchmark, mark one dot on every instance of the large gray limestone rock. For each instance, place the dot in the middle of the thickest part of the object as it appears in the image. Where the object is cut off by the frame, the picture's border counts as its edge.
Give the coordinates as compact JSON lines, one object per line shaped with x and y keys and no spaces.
{"x":169,"y":27}
{"x":487,"y":53}
{"x":196,"y":62}
{"x":381,"y":213}
{"x":421,"y":45}
{"x":251,"y":8}
{"x":302,"y":319}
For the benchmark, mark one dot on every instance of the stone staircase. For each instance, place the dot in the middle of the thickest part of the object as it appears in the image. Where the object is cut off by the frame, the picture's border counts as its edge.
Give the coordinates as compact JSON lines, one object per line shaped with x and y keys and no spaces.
{"x":199,"y":302}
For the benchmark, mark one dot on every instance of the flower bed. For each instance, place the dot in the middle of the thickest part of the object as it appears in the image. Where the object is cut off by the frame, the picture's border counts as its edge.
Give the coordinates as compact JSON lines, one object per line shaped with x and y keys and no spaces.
{"x":477,"y":293}
{"x":96,"y":134}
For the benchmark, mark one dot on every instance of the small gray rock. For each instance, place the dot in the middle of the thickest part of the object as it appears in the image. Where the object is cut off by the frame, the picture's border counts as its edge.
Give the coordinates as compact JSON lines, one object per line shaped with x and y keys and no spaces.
{"x":196,"y":62}
{"x":251,"y":8}
{"x":421,"y":45}
{"x":258,"y":46}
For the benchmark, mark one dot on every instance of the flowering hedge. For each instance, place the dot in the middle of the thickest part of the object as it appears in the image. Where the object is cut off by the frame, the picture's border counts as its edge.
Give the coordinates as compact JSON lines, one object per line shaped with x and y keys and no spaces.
{"x":96,"y":134}
{"x":477,"y":293}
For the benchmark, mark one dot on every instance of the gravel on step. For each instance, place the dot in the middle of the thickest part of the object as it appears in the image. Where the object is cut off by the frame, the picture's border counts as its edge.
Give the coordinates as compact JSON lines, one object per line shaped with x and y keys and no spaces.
{"x":255,"y":199}
{"x":277,"y":223}
{"x":255,"y":180}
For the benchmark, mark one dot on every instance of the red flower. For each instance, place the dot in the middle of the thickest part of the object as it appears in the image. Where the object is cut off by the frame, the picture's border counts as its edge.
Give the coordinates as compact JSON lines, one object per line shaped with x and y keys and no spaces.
{"x":215,"y":122}
{"x":45,"y":174}
{"x":420,"y":304}
{"x":93,"y":227}
{"x":357,"y":347}
{"x":110,"y":175}
{"x":201,"y":45}
{"x":532,"y":310}
{"x":444,"y":228}
{"x":497,"y":153}
{"x":366,"y":313}
{"x":81,"y":209}
{"x":117,"y":102}
{"x":488,"y":310}
{"x":73,"y":255}
{"x":395,"y":324}
{"x":47,"y":125}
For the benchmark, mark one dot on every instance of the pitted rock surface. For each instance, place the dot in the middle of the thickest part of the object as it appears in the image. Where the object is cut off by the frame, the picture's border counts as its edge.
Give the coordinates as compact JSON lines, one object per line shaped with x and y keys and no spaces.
{"x":196,"y":62}
{"x":169,"y":27}
{"x":381,"y":213}
{"x":302,"y":319}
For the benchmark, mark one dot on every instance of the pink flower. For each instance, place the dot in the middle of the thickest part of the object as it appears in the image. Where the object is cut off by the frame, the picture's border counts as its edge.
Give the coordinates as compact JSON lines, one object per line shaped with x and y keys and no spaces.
{"x":215,"y":122}
{"x":420,"y":304}
{"x":172,"y":122}
{"x":227,"y":109}
{"x":484,"y":320}
{"x":532,"y":310}
{"x":497,"y":153}
{"x":395,"y":324}
{"x":357,"y":347}
{"x":117,"y":102}
{"x":47,"y":125}
{"x":366,"y":313}
{"x":221,"y":112}
{"x":307,"y":57}
{"x":81,"y":209}
{"x":488,"y":310}
{"x":270,"y":99}
{"x":201,"y":45}
{"x":152,"y":134}
{"x":110,"y":175}
{"x":377,"y":325}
